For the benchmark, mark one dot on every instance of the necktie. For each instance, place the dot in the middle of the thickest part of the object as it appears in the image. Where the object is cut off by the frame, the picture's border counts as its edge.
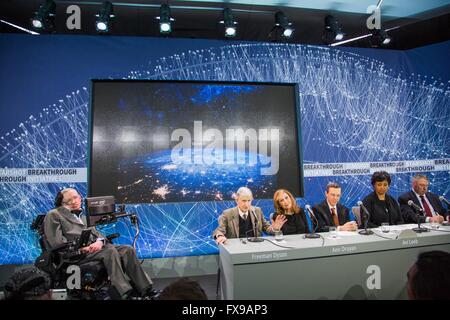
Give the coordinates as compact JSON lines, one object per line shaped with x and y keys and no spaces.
{"x":244,"y":216}
{"x":335,"y":217}
{"x":426,"y":207}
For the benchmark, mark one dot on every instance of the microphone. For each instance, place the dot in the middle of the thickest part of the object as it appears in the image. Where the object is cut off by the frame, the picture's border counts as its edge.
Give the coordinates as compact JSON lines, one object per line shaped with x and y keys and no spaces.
{"x":363,"y":207}
{"x":415,"y":206}
{"x":313,"y":234}
{"x":445,"y":200}
{"x":418,"y":211}
{"x":255,"y":238}
{"x":364,"y":219}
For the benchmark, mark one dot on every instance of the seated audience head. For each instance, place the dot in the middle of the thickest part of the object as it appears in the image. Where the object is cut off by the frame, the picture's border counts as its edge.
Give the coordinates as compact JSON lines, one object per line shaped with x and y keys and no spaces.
{"x":429,"y":277}
{"x":244,"y":198}
{"x":68,"y":197}
{"x":28,"y":284}
{"x":380,"y":182}
{"x":183,"y":289}
{"x":284,"y":202}
{"x":420,"y":184}
{"x":333,"y":193}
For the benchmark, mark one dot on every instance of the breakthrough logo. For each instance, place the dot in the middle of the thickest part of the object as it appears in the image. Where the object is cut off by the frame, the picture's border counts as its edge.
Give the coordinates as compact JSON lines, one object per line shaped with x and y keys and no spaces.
{"x":235,"y":146}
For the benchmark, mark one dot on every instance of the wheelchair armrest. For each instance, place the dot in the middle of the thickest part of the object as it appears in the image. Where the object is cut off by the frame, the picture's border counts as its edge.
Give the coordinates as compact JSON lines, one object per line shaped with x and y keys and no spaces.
{"x":112,"y":236}
{"x":61,"y":247}
{"x":66,"y":251}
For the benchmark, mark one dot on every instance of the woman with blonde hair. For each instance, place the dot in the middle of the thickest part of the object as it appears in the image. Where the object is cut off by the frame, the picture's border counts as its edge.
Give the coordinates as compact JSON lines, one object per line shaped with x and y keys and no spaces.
{"x":285,"y":204}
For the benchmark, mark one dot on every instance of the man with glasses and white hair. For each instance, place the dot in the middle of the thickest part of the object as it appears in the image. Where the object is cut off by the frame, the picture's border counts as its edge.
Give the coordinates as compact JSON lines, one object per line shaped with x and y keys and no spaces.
{"x":240,"y":221}
{"x":65,"y":224}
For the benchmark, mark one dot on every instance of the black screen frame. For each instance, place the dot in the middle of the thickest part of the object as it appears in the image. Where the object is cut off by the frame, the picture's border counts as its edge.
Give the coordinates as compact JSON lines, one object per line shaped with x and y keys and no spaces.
{"x":295,"y":86}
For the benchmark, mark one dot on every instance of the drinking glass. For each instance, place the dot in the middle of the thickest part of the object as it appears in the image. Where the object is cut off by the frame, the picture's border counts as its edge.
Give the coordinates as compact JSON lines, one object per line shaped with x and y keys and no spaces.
{"x":278,"y":235}
{"x":333,"y":232}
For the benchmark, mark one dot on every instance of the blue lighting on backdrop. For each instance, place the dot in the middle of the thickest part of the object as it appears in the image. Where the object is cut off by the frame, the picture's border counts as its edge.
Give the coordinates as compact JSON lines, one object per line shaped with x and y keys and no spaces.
{"x":356,"y":106}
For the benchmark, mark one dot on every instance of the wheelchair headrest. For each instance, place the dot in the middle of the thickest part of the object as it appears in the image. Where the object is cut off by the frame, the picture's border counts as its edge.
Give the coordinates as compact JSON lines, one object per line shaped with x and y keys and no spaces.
{"x":38,"y":222}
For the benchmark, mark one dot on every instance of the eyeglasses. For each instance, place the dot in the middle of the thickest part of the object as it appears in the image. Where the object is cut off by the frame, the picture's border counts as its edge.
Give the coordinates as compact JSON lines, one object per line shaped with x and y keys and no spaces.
{"x":72,"y":200}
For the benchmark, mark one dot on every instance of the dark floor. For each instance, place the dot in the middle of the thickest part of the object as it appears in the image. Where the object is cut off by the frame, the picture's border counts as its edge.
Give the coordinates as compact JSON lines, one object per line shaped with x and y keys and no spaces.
{"x":208,"y":283}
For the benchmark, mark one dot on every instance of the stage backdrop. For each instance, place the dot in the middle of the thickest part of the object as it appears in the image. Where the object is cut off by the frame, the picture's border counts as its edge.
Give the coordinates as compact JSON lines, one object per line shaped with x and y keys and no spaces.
{"x":361,"y":110}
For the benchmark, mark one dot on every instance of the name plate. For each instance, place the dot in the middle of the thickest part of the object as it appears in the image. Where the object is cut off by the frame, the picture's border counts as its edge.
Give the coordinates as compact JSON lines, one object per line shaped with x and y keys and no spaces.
{"x":410,"y":242}
{"x":344,"y":249}
{"x":269,"y":256}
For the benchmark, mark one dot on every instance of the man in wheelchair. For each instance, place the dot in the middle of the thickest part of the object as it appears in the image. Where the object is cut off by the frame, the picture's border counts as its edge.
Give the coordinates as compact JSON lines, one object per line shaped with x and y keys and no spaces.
{"x":65,"y":224}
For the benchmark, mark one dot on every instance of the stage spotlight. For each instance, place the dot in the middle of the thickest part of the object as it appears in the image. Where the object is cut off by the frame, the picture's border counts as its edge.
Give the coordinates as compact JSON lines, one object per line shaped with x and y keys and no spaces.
{"x":229,"y":23}
{"x":165,"y":20}
{"x":282,"y":22}
{"x":380,"y":37}
{"x":103,"y":20}
{"x":333,"y":32}
{"x":43,"y":18}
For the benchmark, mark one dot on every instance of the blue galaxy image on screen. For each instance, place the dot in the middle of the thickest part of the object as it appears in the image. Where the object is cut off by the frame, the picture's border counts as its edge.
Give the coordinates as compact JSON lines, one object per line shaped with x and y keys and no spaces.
{"x":156,"y":141}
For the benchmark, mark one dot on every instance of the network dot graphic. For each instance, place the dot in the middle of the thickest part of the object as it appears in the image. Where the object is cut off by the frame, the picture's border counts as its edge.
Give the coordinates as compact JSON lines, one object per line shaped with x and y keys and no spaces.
{"x":353,"y":109}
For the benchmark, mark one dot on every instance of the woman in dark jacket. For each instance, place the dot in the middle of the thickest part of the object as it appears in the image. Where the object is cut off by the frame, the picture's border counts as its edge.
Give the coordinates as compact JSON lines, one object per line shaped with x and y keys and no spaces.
{"x":285,"y":204}
{"x":381,"y":206}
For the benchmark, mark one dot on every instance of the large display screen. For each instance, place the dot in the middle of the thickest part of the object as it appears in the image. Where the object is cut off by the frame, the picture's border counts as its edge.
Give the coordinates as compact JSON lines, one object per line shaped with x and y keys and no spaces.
{"x":183,"y":141}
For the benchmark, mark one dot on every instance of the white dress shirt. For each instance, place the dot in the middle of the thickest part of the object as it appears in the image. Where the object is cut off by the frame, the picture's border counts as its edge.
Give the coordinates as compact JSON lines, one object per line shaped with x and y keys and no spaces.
{"x":433,"y":213}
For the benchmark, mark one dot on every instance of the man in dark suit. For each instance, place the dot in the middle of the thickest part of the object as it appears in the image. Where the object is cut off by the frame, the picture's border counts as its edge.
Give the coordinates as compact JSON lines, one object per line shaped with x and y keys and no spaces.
{"x":432,"y":209}
{"x":330,"y":213}
{"x":65,"y":224}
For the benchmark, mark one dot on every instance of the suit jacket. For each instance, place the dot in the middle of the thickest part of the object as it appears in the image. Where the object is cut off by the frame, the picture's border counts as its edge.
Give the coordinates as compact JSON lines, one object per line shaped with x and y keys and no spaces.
{"x":60,"y":226}
{"x":229,"y":223}
{"x":377,"y":212}
{"x":409,"y":213}
{"x":324,"y":218}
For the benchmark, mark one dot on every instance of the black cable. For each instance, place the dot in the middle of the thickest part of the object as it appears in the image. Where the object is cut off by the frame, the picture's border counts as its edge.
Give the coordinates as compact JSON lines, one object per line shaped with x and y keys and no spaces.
{"x":379,"y":235}
{"x":274,"y":243}
{"x":264,"y":239}
{"x":135,"y":221}
{"x":323,"y":239}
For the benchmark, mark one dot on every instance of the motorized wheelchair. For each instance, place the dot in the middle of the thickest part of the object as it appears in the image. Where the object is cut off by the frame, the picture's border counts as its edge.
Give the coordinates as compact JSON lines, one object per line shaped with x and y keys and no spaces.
{"x":94,"y":282}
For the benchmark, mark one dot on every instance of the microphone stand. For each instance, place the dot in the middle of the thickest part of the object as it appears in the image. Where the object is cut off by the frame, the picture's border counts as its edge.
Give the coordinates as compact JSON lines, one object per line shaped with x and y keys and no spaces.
{"x":366,"y":216}
{"x":419,"y":229}
{"x":255,"y":238}
{"x":135,"y":221}
{"x":313,"y":234}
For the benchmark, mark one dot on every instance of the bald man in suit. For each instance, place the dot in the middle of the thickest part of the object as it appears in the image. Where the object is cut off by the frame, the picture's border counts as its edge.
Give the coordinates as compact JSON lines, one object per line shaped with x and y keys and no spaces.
{"x":432,"y":209}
